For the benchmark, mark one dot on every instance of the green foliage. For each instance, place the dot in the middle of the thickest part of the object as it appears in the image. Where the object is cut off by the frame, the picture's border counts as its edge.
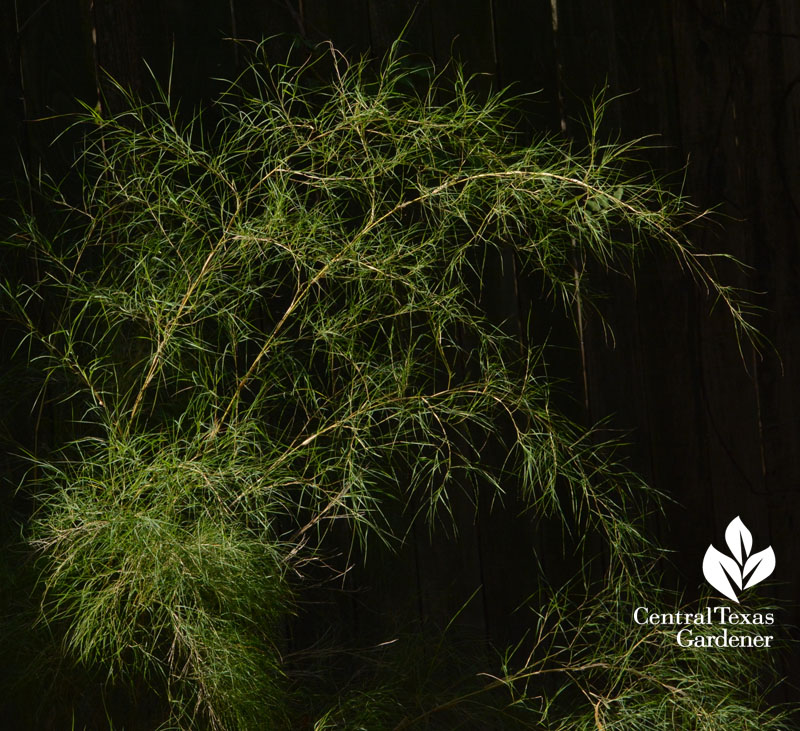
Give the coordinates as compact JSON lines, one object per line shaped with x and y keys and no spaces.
{"x":246,"y":334}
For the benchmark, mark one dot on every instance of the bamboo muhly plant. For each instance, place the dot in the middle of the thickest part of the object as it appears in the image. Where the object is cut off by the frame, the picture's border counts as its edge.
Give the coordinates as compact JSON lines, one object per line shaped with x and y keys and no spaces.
{"x":248,"y":332}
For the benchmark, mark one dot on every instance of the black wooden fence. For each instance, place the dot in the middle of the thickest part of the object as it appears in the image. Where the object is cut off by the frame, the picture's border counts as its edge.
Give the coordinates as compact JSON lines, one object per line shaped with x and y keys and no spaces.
{"x":717,"y":82}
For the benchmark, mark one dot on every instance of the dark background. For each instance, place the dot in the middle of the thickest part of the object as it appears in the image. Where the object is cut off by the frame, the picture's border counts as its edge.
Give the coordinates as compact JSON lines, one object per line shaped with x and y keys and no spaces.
{"x":716,"y":82}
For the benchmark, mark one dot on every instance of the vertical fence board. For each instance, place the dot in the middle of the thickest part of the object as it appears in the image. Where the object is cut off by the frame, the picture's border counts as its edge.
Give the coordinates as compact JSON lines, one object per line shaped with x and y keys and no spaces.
{"x":388,"y":19}
{"x":278,"y":21}
{"x":733,"y":90}
{"x":345,"y":23}
{"x":739,"y":68}
{"x":635,"y":374}
{"x":202,"y":49}
{"x":129,"y":36}
{"x":777,"y":260}
{"x":525,"y":55}
{"x":257,"y":19}
{"x":12,"y":135}
{"x":56,"y":69}
{"x":464,"y":29}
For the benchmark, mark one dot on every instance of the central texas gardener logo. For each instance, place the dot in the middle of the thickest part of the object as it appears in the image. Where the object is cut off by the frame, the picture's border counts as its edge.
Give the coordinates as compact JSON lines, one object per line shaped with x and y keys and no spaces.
{"x":745,"y":569}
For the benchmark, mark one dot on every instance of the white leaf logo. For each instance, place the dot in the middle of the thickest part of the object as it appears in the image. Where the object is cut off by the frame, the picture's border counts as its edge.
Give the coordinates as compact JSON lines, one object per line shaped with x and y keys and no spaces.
{"x":723,"y":572}
{"x":715,"y":566}
{"x":738,"y":537}
{"x":762,"y":564}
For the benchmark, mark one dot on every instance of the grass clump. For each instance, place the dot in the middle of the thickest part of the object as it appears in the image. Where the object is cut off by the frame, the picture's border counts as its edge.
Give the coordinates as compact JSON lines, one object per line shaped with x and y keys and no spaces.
{"x":248,"y":333}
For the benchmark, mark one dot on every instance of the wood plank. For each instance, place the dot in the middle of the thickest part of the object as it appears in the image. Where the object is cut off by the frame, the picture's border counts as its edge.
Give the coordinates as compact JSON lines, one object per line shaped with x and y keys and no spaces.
{"x":343,"y":22}
{"x":188,"y":51}
{"x":281,"y":21}
{"x":56,"y":69}
{"x":464,"y":30}
{"x":526,"y":59}
{"x":129,"y":36}
{"x":13,"y":139}
{"x":729,"y":93}
{"x":644,"y":378}
{"x":389,"y":18}
{"x":744,"y":59}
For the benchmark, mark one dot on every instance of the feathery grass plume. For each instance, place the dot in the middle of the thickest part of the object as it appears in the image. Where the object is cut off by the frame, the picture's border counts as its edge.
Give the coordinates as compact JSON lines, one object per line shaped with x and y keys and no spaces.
{"x":245,"y":334}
